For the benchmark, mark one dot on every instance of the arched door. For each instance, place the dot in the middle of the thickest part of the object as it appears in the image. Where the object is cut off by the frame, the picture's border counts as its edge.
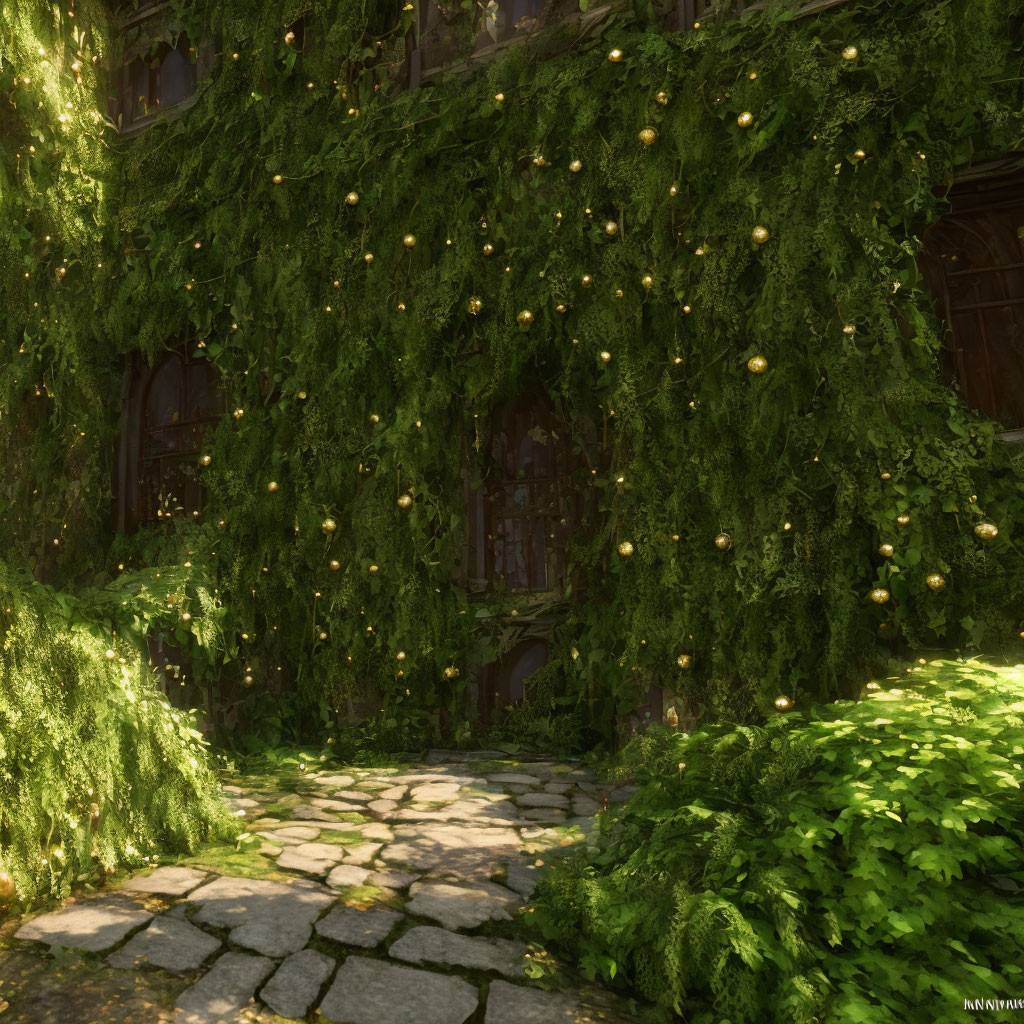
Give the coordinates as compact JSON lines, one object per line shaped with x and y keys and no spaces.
{"x":974,"y":265}
{"x":166,"y":412}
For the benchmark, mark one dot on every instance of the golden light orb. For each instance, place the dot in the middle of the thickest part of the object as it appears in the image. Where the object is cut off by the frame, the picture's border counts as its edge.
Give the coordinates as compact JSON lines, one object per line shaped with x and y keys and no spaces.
{"x":277,"y":179}
{"x":987,"y":531}
{"x":524,"y":318}
{"x":611,"y":228}
{"x":615,"y":55}
{"x":273,"y":486}
{"x":757,"y":364}
{"x":886,"y":550}
{"x":206,"y":460}
{"x":647,"y":281}
{"x":586,"y":280}
{"x":936,"y":581}
{"x":606,"y":357}
{"x":661,"y":97}
{"x":723,"y":542}
{"x":405,"y":501}
{"x":783,"y":703}
{"x":335,"y":565}
{"x":488,"y":249}
{"x":903,"y":519}
{"x":746,"y":119}
{"x":499,"y":97}
{"x":409,"y":241}
{"x":886,"y":476}
{"x":352,"y":198}
{"x":760,"y":235}
{"x":400,"y":656}
{"x":647,"y":136}
{"x":880,"y":595}
{"x":684,"y":661}
{"x":576,"y":166}
{"x":328,"y":526}
{"x":474,"y":305}
{"x":850,"y":53}
{"x":625,"y":549}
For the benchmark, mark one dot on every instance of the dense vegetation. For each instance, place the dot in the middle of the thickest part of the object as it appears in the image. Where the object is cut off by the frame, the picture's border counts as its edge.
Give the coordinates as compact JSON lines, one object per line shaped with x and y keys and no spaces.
{"x":863,"y":862}
{"x":96,"y":769}
{"x":357,"y":379}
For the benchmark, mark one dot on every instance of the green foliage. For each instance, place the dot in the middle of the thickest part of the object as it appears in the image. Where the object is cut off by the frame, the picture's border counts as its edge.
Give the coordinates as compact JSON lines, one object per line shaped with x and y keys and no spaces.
{"x":96,"y":769}
{"x":865,"y":864}
{"x":702,"y":445}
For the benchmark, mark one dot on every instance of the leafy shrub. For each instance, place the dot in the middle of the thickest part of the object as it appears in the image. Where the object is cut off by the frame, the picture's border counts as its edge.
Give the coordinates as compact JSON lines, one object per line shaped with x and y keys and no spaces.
{"x":863,"y":864}
{"x":96,"y":768}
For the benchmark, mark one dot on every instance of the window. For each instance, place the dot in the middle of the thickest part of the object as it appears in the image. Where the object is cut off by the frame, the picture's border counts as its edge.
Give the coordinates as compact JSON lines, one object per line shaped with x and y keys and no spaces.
{"x":166,"y":412}
{"x":500,"y":20}
{"x":160,"y":67}
{"x":974,"y":266}
{"x":155,"y":83}
{"x":445,"y":36}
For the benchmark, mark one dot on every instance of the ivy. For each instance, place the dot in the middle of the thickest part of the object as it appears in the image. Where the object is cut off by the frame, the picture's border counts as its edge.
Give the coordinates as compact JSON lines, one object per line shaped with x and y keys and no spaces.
{"x":703,"y":445}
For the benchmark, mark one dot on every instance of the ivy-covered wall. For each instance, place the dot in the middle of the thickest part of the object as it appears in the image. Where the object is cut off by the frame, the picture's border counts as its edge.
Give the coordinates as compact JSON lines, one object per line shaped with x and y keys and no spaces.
{"x":228,"y":230}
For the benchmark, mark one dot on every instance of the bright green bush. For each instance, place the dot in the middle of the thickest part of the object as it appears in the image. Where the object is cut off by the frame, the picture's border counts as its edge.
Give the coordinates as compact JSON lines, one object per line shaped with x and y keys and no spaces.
{"x":863,"y":865}
{"x":96,"y":768}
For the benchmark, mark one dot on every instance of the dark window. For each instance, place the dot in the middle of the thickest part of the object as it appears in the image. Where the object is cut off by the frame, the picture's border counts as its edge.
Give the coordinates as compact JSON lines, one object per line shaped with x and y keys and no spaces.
{"x":167,"y":410}
{"x":157,"y":81}
{"x":505,"y":19}
{"x":529,"y":502}
{"x":974,"y":265}
{"x":179,"y":407}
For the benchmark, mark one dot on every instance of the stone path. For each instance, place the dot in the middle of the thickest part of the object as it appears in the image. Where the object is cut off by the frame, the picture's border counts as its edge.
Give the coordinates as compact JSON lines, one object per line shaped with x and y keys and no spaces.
{"x":370,"y":897}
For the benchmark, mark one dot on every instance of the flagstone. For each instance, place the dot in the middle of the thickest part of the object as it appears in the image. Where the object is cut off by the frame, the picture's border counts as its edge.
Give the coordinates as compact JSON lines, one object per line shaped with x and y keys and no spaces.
{"x":460,"y":850}
{"x":169,"y":942}
{"x":337,"y":781}
{"x":515,"y":1004}
{"x":390,"y":878}
{"x":93,"y":925}
{"x":167,"y":881}
{"x":522,"y":877}
{"x":373,"y":992}
{"x":271,"y":917}
{"x":515,"y":779}
{"x":304,"y":833}
{"x":461,"y":906}
{"x":361,"y":853}
{"x":297,"y":982}
{"x":435,"y":792}
{"x":543,"y":800}
{"x":348,"y":874}
{"x":354,"y":927}
{"x":219,"y":994}
{"x":312,"y":858}
{"x":427,"y":944}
